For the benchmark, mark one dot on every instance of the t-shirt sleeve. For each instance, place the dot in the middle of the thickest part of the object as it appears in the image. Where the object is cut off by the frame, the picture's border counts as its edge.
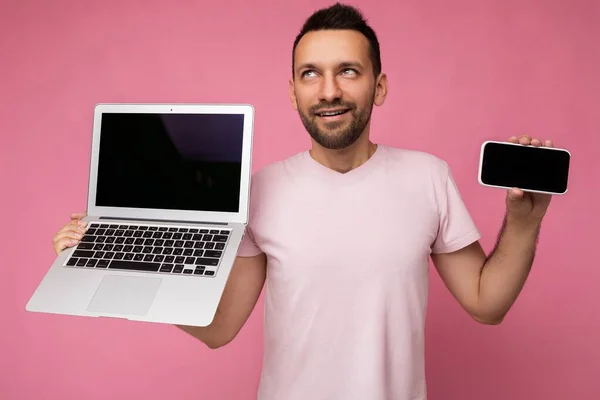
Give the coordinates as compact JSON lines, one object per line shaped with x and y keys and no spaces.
{"x":249,"y":246}
{"x":456,"y":227}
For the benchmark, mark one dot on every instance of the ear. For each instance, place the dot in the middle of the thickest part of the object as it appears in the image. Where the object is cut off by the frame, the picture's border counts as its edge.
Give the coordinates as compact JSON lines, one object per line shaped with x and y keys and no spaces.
{"x":381,"y":89}
{"x":292,"y":94}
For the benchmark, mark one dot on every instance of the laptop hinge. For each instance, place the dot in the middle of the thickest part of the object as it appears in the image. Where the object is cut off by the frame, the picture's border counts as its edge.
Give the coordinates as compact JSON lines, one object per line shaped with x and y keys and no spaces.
{"x":172,"y":221}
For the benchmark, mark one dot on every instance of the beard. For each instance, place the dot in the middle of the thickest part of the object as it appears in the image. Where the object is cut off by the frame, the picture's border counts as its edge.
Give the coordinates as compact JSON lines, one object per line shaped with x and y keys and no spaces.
{"x":336,"y":136}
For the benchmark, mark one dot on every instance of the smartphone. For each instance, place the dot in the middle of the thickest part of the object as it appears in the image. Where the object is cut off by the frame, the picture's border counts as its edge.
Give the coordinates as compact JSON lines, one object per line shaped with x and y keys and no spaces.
{"x":529,"y":168}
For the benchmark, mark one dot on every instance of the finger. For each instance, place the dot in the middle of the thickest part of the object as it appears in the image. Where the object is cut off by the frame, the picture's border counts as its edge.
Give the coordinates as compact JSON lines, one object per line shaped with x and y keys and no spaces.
{"x":536,"y":142}
{"x":548,"y":143}
{"x":75,"y":226}
{"x":515,"y":194}
{"x":77,"y":222}
{"x":63,"y":244}
{"x":77,"y":215}
{"x":71,"y":234}
{"x":513,"y":139}
{"x":525,"y":140}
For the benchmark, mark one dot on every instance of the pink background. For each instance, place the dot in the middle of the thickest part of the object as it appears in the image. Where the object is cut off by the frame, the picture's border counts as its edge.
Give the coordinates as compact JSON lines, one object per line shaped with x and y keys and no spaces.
{"x":461,"y":72}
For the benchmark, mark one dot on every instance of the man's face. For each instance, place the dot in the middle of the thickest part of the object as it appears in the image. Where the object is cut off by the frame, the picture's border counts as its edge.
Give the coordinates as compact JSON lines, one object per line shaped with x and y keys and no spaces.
{"x":334,"y":88}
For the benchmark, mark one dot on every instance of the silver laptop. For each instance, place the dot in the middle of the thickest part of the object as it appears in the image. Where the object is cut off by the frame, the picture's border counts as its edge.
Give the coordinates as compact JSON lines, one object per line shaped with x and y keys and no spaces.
{"x":167,"y":208}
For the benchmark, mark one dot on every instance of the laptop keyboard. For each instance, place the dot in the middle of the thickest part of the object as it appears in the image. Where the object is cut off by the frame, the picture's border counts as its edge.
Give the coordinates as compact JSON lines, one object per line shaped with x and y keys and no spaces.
{"x":147,"y":248}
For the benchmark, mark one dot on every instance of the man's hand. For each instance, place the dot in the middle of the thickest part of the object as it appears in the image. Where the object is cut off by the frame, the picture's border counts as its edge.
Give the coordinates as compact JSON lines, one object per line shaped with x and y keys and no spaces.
{"x":526,"y":207}
{"x":70,"y":234}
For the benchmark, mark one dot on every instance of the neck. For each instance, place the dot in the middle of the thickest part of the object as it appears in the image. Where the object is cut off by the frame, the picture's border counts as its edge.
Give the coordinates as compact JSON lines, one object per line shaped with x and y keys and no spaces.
{"x":347,"y":159}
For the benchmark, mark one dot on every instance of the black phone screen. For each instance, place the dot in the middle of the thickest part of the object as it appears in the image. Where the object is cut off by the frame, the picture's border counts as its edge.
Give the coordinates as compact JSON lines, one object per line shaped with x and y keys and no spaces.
{"x":525,"y":167}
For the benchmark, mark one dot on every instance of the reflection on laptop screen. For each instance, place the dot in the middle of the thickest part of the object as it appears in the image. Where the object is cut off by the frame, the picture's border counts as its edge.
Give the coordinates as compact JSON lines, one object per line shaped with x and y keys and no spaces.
{"x":170,"y":161}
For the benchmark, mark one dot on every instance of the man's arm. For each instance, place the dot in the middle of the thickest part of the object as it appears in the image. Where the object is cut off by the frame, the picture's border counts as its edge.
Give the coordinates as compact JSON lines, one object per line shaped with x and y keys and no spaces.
{"x":241,"y":293}
{"x":487,"y":286}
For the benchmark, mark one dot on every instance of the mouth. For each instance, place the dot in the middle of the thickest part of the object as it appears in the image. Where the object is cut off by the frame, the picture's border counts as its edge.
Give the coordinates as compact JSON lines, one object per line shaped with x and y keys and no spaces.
{"x":332,"y":113}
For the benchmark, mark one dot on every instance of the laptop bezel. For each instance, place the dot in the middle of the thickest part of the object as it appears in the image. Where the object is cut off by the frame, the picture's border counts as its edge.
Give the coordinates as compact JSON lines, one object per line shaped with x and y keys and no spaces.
{"x":240,"y":217}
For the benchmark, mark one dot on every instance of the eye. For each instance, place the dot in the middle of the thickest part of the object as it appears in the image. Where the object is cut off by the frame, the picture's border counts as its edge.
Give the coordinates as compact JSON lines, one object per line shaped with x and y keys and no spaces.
{"x":350,"y":71}
{"x":305,"y":73}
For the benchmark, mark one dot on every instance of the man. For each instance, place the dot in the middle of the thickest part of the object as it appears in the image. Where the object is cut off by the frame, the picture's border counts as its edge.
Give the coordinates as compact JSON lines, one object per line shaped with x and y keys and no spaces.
{"x":345,"y":231}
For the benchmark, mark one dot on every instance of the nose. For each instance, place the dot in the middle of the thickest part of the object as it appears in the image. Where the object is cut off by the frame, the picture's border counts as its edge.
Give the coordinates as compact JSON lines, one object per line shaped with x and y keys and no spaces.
{"x":330,"y":89}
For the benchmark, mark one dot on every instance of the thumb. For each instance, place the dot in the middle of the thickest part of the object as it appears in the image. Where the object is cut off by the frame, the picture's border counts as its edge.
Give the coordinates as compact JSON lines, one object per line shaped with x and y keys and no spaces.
{"x":515,"y":195}
{"x":514,"y":199}
{"x":79,"y":215}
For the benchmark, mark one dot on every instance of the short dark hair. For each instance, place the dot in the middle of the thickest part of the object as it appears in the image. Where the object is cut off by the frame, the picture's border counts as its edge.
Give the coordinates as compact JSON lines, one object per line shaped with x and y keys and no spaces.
{"x":340,"y":16}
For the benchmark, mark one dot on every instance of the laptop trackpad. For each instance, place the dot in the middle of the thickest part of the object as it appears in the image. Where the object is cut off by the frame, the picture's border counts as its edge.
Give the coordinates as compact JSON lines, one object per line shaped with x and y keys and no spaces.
{"x":131,"y":295}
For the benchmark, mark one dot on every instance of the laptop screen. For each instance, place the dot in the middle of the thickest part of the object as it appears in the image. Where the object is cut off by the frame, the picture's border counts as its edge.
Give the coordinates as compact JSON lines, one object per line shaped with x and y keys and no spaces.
{"x":189,"y":162}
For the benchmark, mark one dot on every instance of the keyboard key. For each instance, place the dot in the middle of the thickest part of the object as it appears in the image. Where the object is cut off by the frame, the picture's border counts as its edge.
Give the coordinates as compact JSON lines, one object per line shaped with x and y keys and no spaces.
{"x":83,"y":253}
{"x":134,"y":266}
{"x":213,"y":253}
{"x":91,"y":262}
{"x":81,"y":262}
{"x":166,"y":268}
{"x":207,"y":261}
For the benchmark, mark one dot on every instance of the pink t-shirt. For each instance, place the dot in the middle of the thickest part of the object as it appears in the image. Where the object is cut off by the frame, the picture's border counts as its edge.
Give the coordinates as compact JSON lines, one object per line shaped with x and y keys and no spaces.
{"x":347,"y":275}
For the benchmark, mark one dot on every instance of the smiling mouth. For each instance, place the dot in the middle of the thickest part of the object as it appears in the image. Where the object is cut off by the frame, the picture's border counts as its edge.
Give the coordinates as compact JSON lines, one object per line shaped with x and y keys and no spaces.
{"x":332,"y":113}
